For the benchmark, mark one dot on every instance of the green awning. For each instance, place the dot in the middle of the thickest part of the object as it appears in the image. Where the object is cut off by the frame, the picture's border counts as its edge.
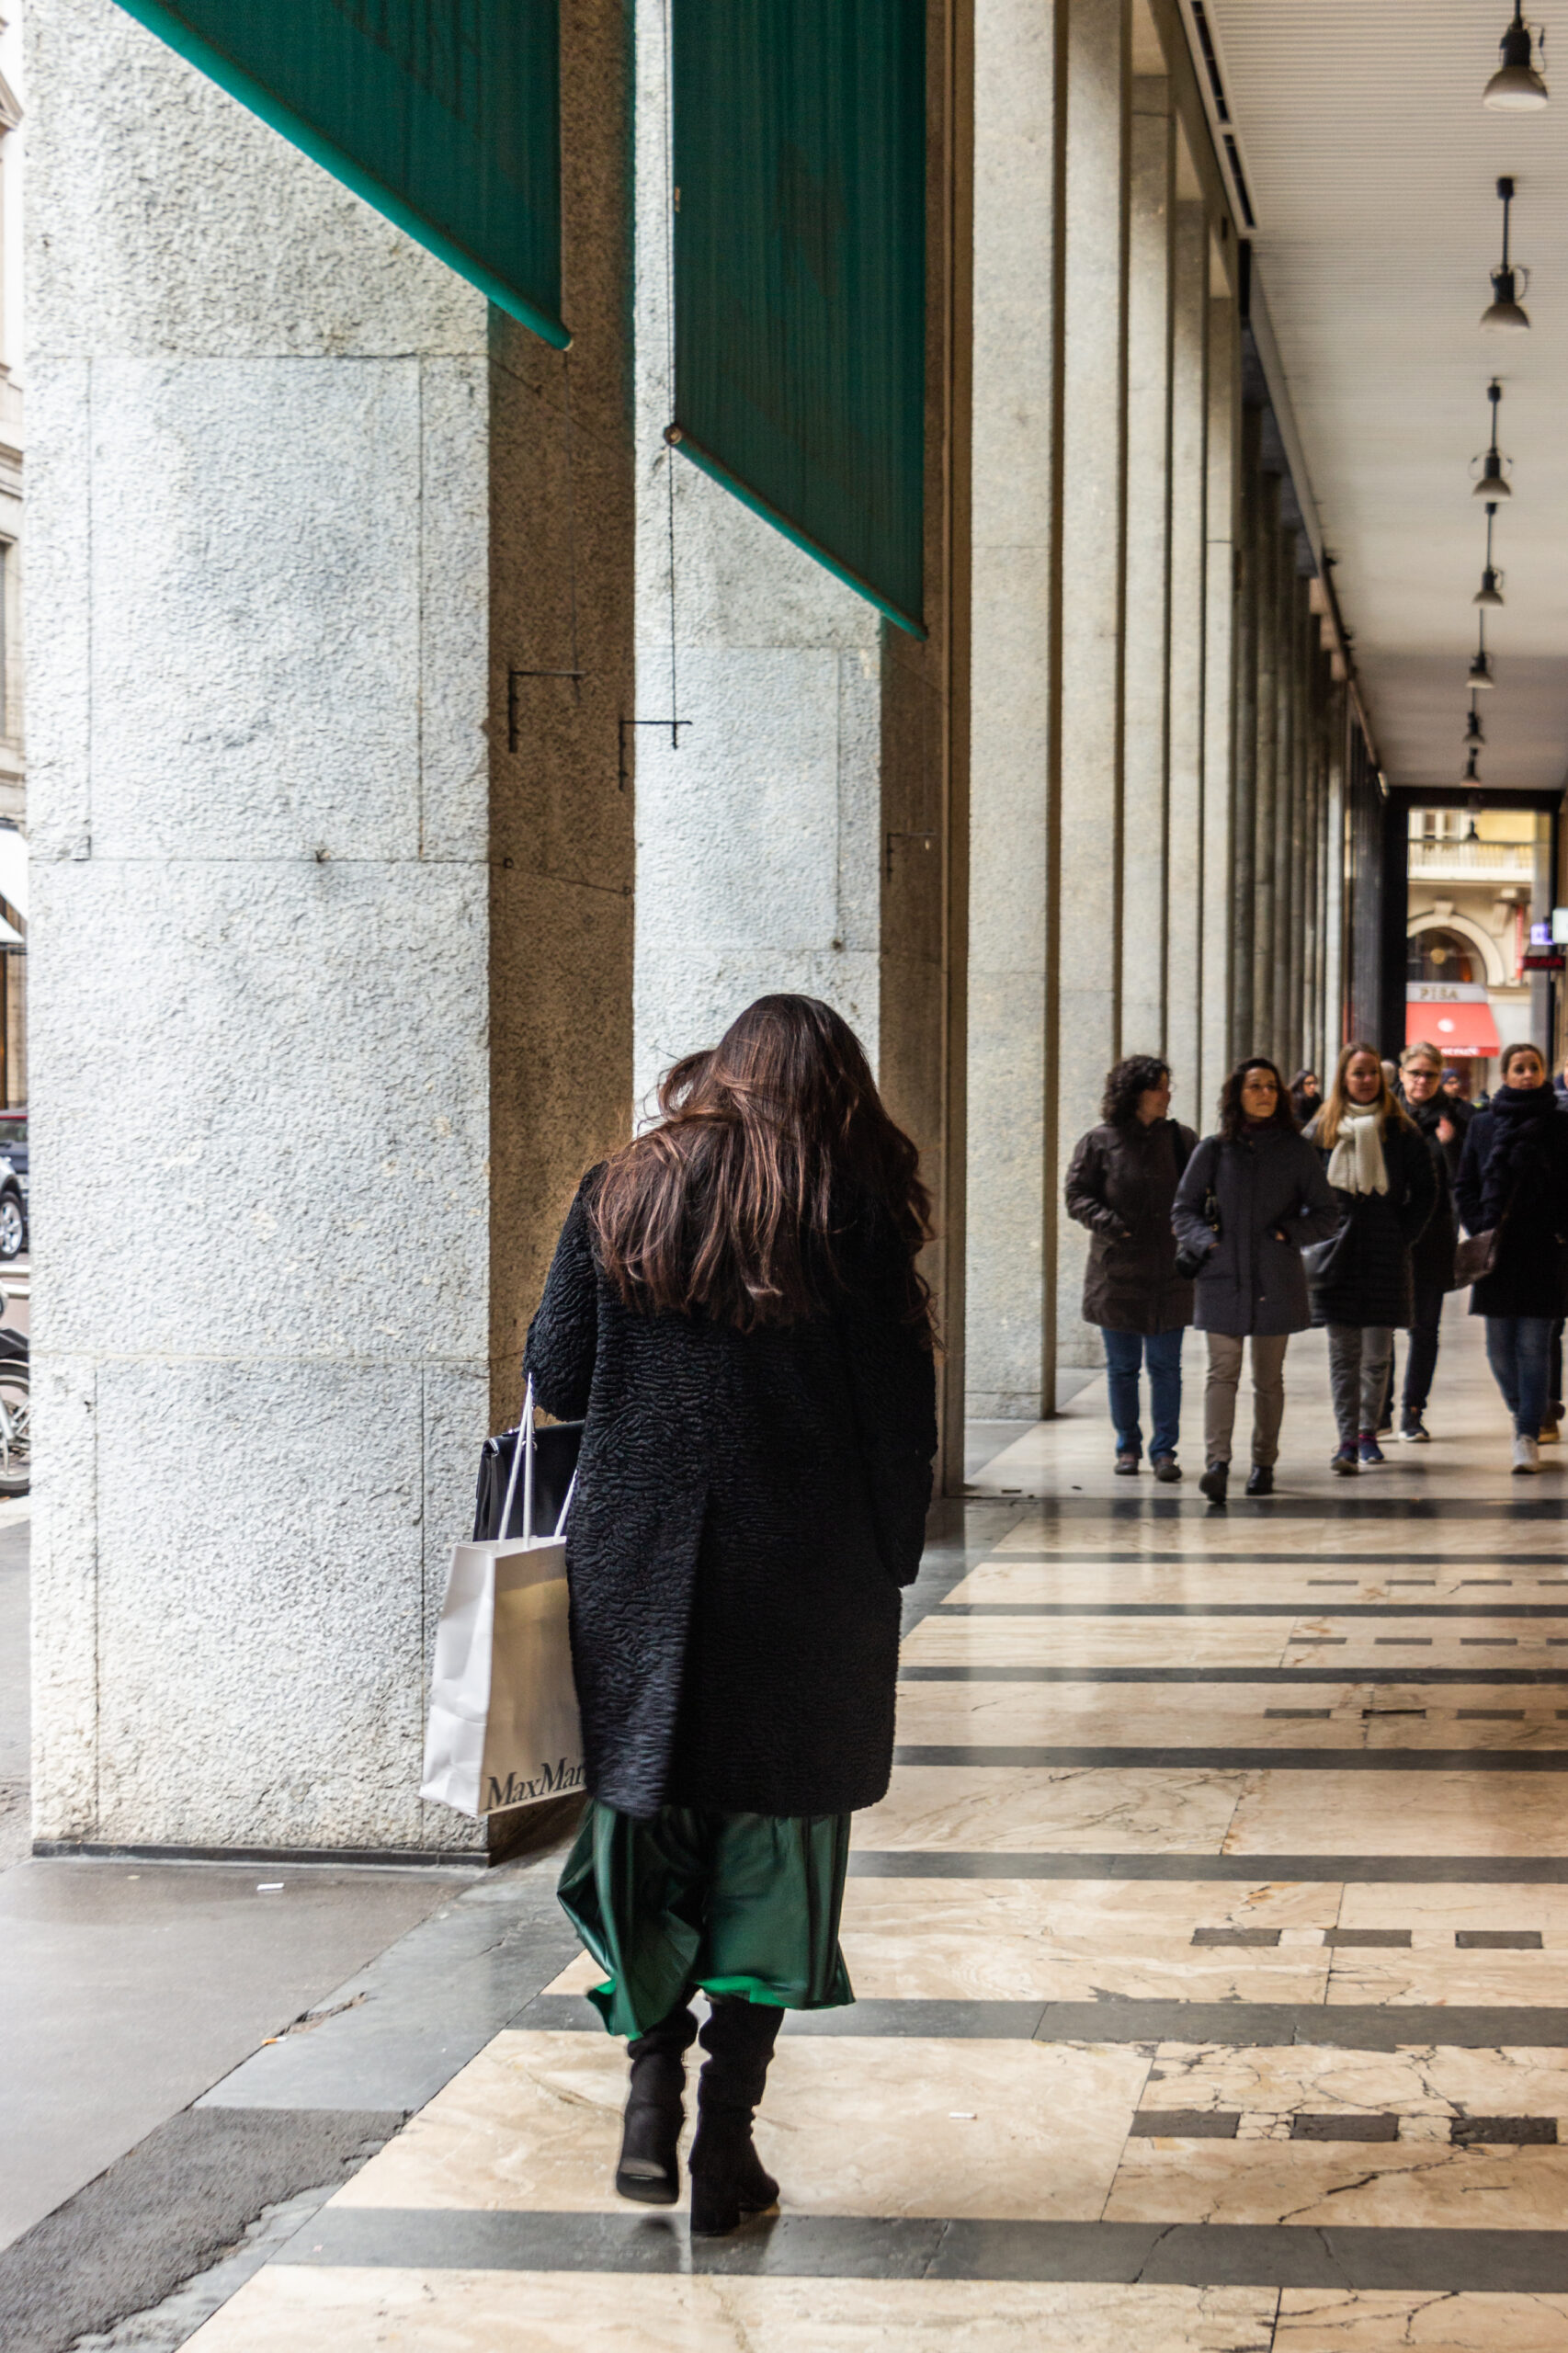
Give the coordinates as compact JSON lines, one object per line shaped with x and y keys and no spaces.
{"x":443,"y":114}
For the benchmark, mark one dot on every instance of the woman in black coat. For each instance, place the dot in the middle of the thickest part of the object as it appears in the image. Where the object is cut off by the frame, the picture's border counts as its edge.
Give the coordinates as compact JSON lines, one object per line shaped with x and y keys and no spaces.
{"x":1121,"y":1184}
{"x":1378,"y":1164}
{"x":733,"y":1306}
{"x":1432,"y":1259}
{"x":1250,"y":1198}
{"x":1513,"y":1182}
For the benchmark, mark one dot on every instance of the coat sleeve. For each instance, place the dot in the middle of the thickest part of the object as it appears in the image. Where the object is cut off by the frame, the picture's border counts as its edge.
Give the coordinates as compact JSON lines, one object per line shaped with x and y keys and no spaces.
{"x":1083,"y":1191}
{"x":1467,"y":1183}
{"x":1420,"y":1187}
{"x":893,"y":1383}
{"x":1191,"y":1228}
{"x":559,"y":1355}
{"x":1319,"y":1215}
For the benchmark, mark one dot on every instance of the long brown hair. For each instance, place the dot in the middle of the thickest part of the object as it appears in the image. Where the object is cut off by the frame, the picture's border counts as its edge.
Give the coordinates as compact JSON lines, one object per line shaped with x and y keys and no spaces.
{"x":773,"y":1149}
{"x":1391,"y":1111}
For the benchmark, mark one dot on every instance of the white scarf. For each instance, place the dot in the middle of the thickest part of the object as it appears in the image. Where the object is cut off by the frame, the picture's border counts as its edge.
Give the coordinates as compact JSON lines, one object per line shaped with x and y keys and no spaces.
{"x":1356,"y":1165}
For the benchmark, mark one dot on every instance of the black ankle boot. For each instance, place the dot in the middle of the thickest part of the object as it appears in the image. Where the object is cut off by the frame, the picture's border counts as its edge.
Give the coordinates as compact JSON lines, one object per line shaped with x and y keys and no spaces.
{"x":655,"y":2111}
{"x":727,"y":2176}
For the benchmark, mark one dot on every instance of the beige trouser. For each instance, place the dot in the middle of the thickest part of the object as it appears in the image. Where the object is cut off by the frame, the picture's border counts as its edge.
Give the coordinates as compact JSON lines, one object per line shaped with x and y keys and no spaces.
{"x":1268,"y":1393}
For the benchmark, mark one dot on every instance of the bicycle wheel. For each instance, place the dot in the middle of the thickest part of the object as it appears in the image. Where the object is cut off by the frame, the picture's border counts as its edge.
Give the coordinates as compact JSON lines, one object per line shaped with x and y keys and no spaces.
{"x":16,"y":1430}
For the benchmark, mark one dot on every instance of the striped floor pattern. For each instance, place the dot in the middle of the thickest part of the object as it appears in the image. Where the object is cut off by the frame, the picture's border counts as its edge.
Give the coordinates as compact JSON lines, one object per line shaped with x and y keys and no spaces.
{"x":1210,"y":1945}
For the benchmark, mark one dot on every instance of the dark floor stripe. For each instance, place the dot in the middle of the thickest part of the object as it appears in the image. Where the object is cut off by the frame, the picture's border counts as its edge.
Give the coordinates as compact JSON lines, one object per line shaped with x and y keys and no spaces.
{"x":1327,"y":1608}
{"x":1210,"y":1560}
{"x":1249,"y":1760}
{"x":829,"y":2246}
{"x":1231,"y":2026}
{"x":1254,"y":1870}
{"x":1419,"y":1510}
{"x":1481,"y":1674}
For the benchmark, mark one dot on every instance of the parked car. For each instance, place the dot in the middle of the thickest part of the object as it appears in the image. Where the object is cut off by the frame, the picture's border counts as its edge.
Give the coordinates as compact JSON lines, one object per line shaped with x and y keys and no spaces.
{"x":13,"y":1183}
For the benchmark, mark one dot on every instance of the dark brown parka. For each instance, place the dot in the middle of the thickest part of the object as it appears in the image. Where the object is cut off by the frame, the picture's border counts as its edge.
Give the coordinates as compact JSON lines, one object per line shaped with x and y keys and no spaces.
{"x":1121,"y":1185}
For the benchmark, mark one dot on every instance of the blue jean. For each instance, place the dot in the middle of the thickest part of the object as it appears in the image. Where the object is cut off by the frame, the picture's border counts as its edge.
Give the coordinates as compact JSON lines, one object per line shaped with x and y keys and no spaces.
{"x":1124,"y":1353}
{"x":1519,"y":1349}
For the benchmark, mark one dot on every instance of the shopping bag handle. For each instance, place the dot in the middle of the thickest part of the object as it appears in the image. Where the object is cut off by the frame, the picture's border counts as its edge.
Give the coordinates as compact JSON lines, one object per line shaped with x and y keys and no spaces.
{"x":522,"y":1460}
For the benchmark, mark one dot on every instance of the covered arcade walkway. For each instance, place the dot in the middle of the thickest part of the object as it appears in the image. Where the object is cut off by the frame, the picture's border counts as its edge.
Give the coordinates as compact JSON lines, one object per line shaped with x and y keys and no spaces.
{"x":1210,"y":1956}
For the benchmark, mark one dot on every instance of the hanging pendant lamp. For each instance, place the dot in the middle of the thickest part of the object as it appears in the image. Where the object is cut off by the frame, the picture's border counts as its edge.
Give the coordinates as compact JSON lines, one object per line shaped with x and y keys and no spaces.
{"x":1492,"y":483}
{"x":1505,"y":314}
{"x":1489,"y":593}
{"x":1472,"y":734}
{"x":1516,"y":88}
{"x":1480,"y":661}
{"x":1473,"y":774}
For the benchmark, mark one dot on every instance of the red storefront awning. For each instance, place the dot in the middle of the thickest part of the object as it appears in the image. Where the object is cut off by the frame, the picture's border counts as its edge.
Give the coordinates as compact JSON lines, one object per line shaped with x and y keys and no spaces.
{"x":1459,"y":1030}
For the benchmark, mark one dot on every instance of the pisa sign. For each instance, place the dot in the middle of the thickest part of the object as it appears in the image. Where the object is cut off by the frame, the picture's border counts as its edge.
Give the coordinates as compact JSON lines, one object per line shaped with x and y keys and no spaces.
{"x":443,"y":114}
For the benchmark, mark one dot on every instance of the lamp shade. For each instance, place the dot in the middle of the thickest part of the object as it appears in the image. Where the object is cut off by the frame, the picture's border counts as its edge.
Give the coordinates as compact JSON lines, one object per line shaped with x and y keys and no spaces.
{"x":1492,"y":484}
{"x":1516,"y":88}
{"x":1488,"y":592}
{"x":1505,"y":314}
{"x":1481,"y":671}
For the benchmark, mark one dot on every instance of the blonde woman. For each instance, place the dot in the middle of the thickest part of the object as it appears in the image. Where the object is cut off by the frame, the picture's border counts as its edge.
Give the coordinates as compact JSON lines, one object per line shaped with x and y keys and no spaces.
{"x":1380,"y":1171}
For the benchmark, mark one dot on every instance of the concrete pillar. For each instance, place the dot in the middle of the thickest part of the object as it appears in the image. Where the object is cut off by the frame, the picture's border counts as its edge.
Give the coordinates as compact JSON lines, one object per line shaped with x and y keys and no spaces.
{"x":1243,"y":910}
{"x":331,"y":927}
{"x":1336,"y":976}
{"x":1223,"y":672}
{"x":1146,"y":822}
{"x":1265,"y":948}
{"x":1017,"y":362}
{"x":1185,"y":979}
{"x":1286,"y":752}
{"x":1094,"y":521}
{"x":1301,"y":788}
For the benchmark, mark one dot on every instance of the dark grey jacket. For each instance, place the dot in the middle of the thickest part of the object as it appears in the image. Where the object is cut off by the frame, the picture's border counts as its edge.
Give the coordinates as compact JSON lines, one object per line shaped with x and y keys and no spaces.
{"x":748,"y":1505}
{"x":1369,"y":1279}
{"x":1121,"y":1185}
{"x":1267,"y":1182}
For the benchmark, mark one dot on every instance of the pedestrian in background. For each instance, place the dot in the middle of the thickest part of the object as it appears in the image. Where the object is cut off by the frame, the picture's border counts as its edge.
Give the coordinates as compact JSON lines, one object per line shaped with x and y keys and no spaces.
{"x":1121,"y":1184}
{"x":1432,"y":1259}
{"x":734,"y":1307}
{"x":1513,"y":1183}
{"x":1306,"y":1096}
{"x":1381,"y":1175}
{"x":1252,"y":1196}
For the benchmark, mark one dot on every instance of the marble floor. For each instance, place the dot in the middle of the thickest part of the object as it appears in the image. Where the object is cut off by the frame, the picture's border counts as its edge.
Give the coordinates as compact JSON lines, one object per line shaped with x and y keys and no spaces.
{"x":1211,"y":1947}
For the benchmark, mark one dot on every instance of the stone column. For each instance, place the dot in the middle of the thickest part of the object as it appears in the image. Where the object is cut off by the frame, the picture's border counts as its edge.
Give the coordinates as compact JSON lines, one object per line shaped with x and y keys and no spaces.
{"x":1094,"y":520}
{"x":1184,"y":976}
{"x":1146,"y":822}
{"x":1241,"y":912}
{"x":1226,"y":674}
{"x":1017,"y":363}
{"x":1335,"y":978}
{"x":331,"y":928}
{"x":1265,"y":945}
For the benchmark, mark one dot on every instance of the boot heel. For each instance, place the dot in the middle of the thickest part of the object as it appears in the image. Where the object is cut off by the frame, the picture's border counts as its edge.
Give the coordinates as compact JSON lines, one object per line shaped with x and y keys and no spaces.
{"x":648,"y":2169}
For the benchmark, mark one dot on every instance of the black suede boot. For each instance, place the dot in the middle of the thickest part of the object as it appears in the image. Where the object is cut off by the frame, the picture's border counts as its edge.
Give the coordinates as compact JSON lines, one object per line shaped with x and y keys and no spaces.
{"x":655,"y":2111}
{"x":727,"y":2176}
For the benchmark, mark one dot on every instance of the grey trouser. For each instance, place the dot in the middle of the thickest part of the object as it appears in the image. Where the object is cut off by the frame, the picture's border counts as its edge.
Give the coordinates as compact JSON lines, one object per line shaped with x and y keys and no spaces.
{"x":1358,"y":1375}
{"x":1268,"y":1393}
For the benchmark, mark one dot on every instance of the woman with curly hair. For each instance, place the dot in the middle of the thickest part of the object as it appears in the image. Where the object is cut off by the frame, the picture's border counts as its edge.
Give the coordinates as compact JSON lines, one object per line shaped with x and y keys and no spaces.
{"x":1253,"y":1196}
{"x":1121,"y":1185}
{"x":734,"y":1307}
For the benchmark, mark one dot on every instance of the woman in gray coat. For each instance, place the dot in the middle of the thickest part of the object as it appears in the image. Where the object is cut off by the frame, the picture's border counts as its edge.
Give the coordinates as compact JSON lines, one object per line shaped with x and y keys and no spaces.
{"x":1249,"y":1201}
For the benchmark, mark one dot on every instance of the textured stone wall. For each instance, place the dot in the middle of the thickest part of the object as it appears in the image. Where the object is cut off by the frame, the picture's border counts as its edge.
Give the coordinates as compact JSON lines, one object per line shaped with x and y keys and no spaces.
{"x":275,"y":579}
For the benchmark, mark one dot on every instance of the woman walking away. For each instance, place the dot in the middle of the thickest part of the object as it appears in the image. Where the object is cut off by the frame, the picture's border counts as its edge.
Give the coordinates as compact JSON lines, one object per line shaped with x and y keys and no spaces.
{"x":1252,"y":1196}
{"x":1121,"y":1185}
{"x":1432,"y":1259}
{"x":1513,"y":1182}
{"x":733,"y":1306}
{"x":1383,"y":1180}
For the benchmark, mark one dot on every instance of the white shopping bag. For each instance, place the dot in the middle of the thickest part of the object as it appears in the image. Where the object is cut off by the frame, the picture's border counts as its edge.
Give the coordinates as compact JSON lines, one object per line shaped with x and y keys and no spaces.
{"x":503,"y":1727}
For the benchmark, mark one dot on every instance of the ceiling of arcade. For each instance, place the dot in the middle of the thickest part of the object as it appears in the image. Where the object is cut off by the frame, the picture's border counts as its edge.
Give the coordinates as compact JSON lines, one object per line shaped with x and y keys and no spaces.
{"x":1371,"y":165}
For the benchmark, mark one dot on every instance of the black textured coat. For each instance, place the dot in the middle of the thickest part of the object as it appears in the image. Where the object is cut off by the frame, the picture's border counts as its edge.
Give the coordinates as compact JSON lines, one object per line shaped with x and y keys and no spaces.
{"x":1265,"y":1183}
{"x":1121,"y":1185}
{"x":1370,"y":1281}
{"x":1514,"y":1171}
{"x":1432,"y":1258}
{"x":747,"y":1507}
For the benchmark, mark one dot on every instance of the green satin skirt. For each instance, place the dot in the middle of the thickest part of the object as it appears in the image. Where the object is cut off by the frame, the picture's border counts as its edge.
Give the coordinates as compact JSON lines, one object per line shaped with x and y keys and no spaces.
{"x":733,"y":1902}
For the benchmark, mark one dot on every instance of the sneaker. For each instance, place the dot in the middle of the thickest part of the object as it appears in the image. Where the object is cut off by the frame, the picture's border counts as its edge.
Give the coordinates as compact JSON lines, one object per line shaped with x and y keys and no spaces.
{"x":1385,"y":1428}
{"x":1550,"y":1434}
{"x":1260,"y":1480}
{"x":1214,"y":1481}
{"x":1127,"y":1466}
{"x":1343,"y":1459}
{"x":1413,"y":1431}
{"x":1165,"y":1468}
{"x":1526,"y":1457}
{"x":1370,"y":1450}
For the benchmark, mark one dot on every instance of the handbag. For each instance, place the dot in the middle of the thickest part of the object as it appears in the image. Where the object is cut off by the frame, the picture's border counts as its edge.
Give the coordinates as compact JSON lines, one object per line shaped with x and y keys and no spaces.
{"x":504,"y":1729}
{"x":1190,"y":1263}
{"x":1321,"y":1259}
{"x":1475,"y":1256}
{"x":556,"y":1449}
